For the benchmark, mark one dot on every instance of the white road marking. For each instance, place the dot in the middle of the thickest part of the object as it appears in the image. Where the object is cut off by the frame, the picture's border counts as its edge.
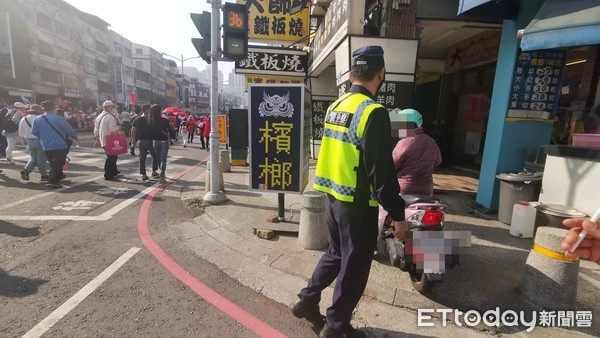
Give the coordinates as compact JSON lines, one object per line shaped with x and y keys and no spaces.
{"x":114,"y":210}
{"x":76,"y":205}
{"x":103,"y":217}
{"x":34,"y":197}
{"x":77,"y":298}
{"x":113,"y":191}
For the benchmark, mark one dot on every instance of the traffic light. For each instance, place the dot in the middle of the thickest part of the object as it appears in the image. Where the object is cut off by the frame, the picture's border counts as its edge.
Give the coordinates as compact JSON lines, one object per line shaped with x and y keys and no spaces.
{"x":203,"y":24}
{"x":235,"y":31}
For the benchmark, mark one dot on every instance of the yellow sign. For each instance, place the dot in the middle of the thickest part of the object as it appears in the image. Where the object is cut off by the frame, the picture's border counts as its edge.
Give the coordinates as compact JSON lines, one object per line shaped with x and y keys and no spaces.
{"x":423,"y":78}
{"x":222,"y":128}
{"x":250,"y":79}
{"x":270,"y":20}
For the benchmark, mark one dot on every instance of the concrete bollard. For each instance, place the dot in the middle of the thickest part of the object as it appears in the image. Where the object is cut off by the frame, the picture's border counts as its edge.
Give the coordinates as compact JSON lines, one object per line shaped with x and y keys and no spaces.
{"x":225,"y":162}
{"x":207,"y":179}
{"x":550,"y":278}
{"x":312,"y":232}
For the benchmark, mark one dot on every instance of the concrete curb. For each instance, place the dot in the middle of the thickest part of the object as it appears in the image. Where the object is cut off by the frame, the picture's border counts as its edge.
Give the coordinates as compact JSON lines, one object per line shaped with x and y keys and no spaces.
{"x":279,"y":268}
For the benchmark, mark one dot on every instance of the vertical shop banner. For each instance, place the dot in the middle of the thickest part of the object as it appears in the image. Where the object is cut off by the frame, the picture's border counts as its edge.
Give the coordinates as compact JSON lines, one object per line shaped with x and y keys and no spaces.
{"x":119,"y":78}
{"x":222,"y":128}
{"x":536,"y":81}
{"x":270,"y":20}
{"x":278,"y":154}
{"x":319,"y":109}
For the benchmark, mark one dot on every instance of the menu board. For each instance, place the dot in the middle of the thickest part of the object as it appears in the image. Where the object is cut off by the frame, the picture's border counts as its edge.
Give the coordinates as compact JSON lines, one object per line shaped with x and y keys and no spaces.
{"x":536,"y":80}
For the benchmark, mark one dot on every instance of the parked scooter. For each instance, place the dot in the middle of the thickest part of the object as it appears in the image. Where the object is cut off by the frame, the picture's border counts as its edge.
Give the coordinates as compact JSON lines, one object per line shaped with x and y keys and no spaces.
{"x":425,"y":254}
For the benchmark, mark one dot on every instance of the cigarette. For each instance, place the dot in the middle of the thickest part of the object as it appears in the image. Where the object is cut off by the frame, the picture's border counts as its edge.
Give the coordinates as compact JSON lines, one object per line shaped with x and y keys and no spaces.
{"x":583,"y":233}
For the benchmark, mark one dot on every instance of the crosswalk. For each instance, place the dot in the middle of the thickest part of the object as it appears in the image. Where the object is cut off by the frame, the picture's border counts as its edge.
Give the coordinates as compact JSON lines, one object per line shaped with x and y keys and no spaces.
{"x":91,"y":158}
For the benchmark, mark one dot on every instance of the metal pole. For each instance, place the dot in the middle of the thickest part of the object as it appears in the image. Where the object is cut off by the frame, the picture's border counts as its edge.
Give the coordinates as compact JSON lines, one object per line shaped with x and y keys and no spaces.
{"x":182,"y":84}
{"x":215,"y":196}
{"x":281,"y":207}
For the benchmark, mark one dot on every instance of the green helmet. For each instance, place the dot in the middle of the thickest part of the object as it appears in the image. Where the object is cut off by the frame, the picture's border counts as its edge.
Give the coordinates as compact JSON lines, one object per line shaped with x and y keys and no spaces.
{"x":411,"y":115}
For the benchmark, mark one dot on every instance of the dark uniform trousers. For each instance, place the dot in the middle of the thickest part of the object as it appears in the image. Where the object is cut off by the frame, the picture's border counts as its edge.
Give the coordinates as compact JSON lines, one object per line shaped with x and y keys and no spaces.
{"x":352,"y":242}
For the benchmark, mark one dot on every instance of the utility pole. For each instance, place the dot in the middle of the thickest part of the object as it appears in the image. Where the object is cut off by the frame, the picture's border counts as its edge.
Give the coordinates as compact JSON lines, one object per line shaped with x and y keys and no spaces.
{"x":215,"y":196}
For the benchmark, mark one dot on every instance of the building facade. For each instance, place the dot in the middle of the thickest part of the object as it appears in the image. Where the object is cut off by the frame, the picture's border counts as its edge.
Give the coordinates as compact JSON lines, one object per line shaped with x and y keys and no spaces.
{"x":122,"y":62}
{"x":50,"y":50}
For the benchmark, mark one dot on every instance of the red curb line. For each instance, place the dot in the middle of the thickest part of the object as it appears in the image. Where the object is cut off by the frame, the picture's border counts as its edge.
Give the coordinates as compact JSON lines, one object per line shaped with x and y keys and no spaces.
{"x":223,"y":304}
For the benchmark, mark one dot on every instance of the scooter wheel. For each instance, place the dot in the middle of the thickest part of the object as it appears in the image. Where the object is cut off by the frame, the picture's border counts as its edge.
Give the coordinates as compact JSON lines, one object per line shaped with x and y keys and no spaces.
{"x":420,"y":281}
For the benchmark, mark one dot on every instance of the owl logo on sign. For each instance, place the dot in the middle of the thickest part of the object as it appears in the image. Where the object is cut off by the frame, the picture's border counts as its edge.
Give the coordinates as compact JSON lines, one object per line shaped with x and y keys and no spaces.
{"x":276,"y":105}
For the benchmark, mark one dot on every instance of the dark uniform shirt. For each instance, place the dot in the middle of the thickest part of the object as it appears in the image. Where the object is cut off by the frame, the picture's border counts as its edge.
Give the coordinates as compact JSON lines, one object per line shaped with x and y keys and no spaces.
{"x":378,"y":162}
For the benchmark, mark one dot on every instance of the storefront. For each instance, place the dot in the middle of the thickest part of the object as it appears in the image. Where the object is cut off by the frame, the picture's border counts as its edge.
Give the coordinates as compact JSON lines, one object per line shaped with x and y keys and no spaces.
{"x":549,"y":95}
{"x":455,"y":104}
{"x":12,"y":95}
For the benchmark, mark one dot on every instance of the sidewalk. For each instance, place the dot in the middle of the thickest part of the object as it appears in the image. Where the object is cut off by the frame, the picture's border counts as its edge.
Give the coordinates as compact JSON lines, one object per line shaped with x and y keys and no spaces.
{"x":279,"y":268}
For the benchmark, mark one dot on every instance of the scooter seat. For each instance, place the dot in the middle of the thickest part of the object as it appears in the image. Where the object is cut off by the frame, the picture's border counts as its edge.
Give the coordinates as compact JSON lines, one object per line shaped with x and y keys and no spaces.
{"x":414,"y":199}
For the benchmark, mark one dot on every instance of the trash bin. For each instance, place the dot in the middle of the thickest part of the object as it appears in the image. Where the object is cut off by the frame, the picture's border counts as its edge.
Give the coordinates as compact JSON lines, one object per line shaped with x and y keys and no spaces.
{"x":514,"y":187}
{"x":553,"y":214}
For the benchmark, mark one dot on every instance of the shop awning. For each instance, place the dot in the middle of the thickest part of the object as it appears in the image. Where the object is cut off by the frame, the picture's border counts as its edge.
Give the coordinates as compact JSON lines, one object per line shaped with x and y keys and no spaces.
{"x":563,"y":24}
{"x":466,"y":5}
{"x":500,"y":9}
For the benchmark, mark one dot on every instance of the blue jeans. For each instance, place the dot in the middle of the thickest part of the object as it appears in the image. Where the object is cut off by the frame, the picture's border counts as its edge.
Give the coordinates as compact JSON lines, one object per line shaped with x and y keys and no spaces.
{"x":144,"y":147}
{"x":38,"y":157}
{"x":161,"y":147}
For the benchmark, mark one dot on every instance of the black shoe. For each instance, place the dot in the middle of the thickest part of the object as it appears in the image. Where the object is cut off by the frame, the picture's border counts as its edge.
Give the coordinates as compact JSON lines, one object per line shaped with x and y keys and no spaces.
{"x":25,"y":175}
{"x":62,"y":177}
{"x":44,"y":178}
{"x":350,"y":332}
{"x":309,"y":311}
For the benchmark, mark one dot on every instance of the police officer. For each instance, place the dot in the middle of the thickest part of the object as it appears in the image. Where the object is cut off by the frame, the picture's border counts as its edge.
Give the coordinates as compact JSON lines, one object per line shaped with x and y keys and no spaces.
{"x":356,"y":171}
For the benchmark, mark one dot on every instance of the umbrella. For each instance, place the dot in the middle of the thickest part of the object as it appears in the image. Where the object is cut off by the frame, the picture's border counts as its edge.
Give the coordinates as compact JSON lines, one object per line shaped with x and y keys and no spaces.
{"x":178,"y":113}
{"x":172,"y":110}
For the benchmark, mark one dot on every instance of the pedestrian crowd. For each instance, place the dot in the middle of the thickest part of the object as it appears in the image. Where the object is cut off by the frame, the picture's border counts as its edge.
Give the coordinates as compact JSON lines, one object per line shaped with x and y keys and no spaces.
{"x":48,"y":132}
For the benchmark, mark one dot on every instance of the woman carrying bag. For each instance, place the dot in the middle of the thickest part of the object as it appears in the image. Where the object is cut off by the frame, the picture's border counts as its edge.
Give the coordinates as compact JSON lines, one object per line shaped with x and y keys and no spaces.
{"x":162,"y":132}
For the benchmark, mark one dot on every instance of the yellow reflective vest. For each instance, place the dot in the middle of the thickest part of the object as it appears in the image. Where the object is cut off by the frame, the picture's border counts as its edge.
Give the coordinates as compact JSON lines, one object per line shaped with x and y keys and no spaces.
{"x":339,"y":157}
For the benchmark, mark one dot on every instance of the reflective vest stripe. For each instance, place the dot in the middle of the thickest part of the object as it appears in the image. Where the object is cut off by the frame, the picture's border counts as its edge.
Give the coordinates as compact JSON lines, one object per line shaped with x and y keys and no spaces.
{"x":339,"y":189}
{"x":351,"y":135}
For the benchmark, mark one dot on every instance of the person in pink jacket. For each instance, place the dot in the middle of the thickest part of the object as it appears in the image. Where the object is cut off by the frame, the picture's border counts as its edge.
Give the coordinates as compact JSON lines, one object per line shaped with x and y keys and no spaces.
{"x":415,"y":157}
{"x":207,"y":131}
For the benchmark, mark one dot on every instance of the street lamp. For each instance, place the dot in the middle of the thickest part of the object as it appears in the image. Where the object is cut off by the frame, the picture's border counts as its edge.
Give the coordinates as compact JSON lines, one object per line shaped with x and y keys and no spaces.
{"x":182,"y":60}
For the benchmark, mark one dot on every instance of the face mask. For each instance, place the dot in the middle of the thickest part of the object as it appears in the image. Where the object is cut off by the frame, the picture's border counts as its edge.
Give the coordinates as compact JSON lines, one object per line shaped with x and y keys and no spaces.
{"x":381,"y":83}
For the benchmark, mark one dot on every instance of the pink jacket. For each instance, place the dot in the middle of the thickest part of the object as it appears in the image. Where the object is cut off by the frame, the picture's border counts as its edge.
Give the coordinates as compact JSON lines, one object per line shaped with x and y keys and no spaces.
{"x":414,"y":159}
{"x":207,"y":128}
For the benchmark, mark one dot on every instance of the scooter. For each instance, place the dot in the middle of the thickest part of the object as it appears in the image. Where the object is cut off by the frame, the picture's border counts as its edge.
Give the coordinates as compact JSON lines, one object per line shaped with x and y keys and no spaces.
{"x":425,"y":254}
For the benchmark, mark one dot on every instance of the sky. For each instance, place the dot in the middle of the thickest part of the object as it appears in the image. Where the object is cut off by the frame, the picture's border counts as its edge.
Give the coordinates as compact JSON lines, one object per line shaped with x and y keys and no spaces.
{"x":163,"y":25}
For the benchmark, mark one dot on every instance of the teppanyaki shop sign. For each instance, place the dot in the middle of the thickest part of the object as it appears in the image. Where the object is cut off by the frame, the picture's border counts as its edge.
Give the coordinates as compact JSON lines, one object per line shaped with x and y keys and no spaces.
{"x":273,"y":61}
{"x":270,"y":20}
